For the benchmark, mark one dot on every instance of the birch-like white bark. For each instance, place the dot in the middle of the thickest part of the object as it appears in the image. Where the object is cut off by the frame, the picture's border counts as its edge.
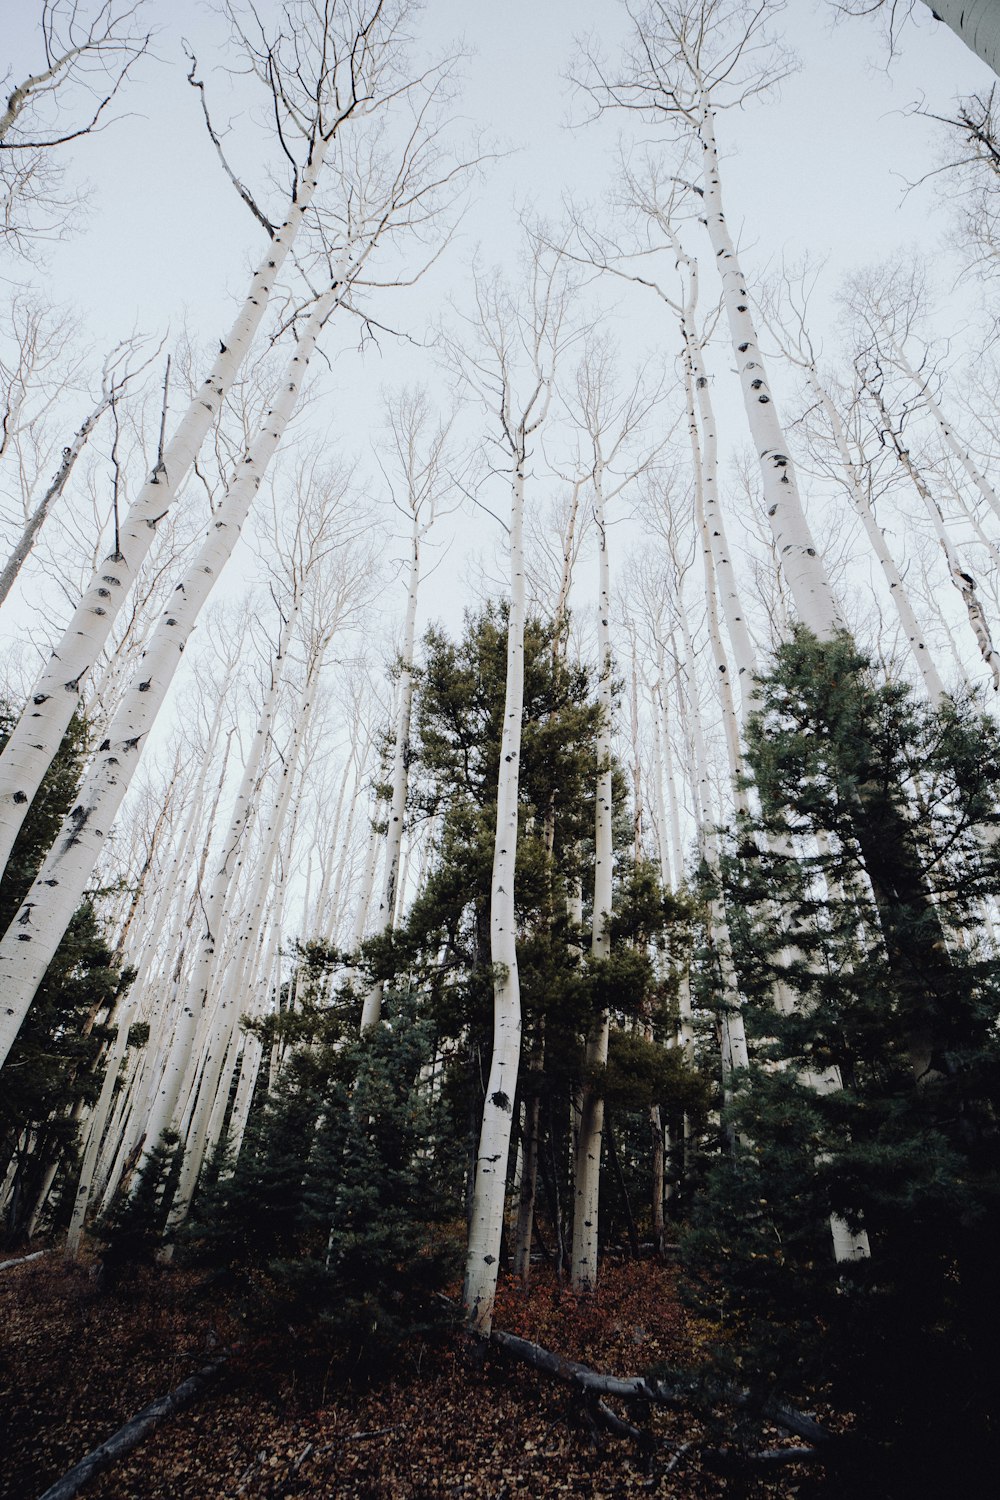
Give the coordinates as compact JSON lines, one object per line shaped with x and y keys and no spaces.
{"x":977,"y":22}
{"x":35,"y":522}
{"x":385,"y":915}
{"x":959,"y":574}
{"x":947,"y":432}
{"x":797,"y":553}
{"x":95,"y":1132}
{"x":735,"y":1055}
{"x":28,"y":947}
{"x":919,"y":650}
{"x":191,"y":1007}
{"x":587,"y":1158}
{"x":40,"y":729}
{"x":238,"y":976}
{"x":489,"y":1193}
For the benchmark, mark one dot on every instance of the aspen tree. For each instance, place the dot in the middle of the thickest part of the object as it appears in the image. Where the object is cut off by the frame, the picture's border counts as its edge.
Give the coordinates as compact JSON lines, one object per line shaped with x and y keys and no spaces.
{"x":353,"y":49}
{"x":610,"y":424}
{"x":331,"y":562}
{"x":511,"y":369}
{"x":891,"y":430}
{"x":189,"y":1008}
{"x":570,"y":528}
{"x":788,"y":322}
{"x":64,"y":874}
{"x":112,"y":384}
{"x":221,"y":1020}
{"x":687,"y":59}
{"x":387,"y":197}
{"x":420,"y":454}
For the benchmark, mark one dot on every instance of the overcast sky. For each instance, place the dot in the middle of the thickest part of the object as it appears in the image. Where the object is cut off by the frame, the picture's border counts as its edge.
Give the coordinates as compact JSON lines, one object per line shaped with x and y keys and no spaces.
{"x":822,"y":168}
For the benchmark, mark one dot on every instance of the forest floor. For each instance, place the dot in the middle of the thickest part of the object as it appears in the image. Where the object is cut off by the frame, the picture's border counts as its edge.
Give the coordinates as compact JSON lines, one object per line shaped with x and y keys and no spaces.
{"x":77,"y":1361}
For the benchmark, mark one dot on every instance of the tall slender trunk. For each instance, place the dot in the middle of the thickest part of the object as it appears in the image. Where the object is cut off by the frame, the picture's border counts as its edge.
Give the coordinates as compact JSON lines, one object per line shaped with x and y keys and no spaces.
{"x":803,"y":567}
{"x":587,"y":1158}
{"x":959,"y":574}
{"x":35,"y":933}
{"x":385,"y":917}
{"x":192,"y":998}
{"x":897,"y":589}
{"x":41,"y":727}
{"x":489,"y":1194}
{"x":34,"y":523}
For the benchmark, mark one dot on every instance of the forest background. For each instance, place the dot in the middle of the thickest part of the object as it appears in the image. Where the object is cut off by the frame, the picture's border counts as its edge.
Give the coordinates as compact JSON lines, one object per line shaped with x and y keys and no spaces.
{"x":269,"y":800}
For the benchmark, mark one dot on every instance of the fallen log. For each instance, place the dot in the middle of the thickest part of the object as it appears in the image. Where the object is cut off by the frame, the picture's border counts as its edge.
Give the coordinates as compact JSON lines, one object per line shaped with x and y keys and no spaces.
{"x":133,"y":1432}
{"x":630,"y":1388}
{"x":22,"y":1260}
{"x":643,"y":1389}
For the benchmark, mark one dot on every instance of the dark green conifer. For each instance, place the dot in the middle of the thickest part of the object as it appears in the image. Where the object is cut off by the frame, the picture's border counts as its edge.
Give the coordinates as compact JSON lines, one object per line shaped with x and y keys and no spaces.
{"x":886,"y":817}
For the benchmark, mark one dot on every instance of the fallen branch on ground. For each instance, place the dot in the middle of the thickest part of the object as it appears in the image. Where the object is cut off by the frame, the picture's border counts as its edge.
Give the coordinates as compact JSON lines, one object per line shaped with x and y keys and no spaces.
{"x":641,"y":1388}
{"x":133,"y":1432}
{"x":22,"y":1260}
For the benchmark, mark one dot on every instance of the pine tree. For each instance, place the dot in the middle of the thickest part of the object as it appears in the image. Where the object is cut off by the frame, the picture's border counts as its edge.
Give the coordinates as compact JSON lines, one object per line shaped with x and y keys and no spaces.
{"x":891,"y":810}
{"x":444,"y":943}
{"x":335,"y":1194}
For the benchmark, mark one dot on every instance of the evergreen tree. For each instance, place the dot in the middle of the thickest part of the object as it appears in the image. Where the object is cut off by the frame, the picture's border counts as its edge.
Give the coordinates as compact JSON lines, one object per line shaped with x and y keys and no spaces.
{"x":335,"y":1194}
{"x":885,"y":868}
{"x":443,"y":945}
{"x":51,"y":1068}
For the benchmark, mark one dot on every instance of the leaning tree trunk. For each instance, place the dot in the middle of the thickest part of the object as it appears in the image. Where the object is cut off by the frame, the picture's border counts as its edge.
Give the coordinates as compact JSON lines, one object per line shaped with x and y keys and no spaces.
{"x":897,"y":589}
{"x":489,"y":1193}
{"x":977,"y":22}
{"x":34,"y":523}
{"x":949,"y":436}
{"x":35,"y":933}
{"x":958,"y":573}
{"x":214,"y":905}
{"x":39,"y":731}
{"x":225,"y":1014}
{"x":803,"y":568}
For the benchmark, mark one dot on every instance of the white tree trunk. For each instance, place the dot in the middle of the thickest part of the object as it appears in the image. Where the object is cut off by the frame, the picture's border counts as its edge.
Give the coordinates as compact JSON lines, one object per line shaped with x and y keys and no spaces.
{"x":34,"y":934}
{"x":977,"y":22}
{"x":400,"y":761}
{"x":36,"y":520}
{"x":498,"y":1110}
{"x":794,"y":544}
{"x":897,"y":589}
{"x":959,"y":574}
{"x":40,"y":729}
{"x":587,"y":1159}
{"x":948,"y":434}
{"x":95,"y":1132}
